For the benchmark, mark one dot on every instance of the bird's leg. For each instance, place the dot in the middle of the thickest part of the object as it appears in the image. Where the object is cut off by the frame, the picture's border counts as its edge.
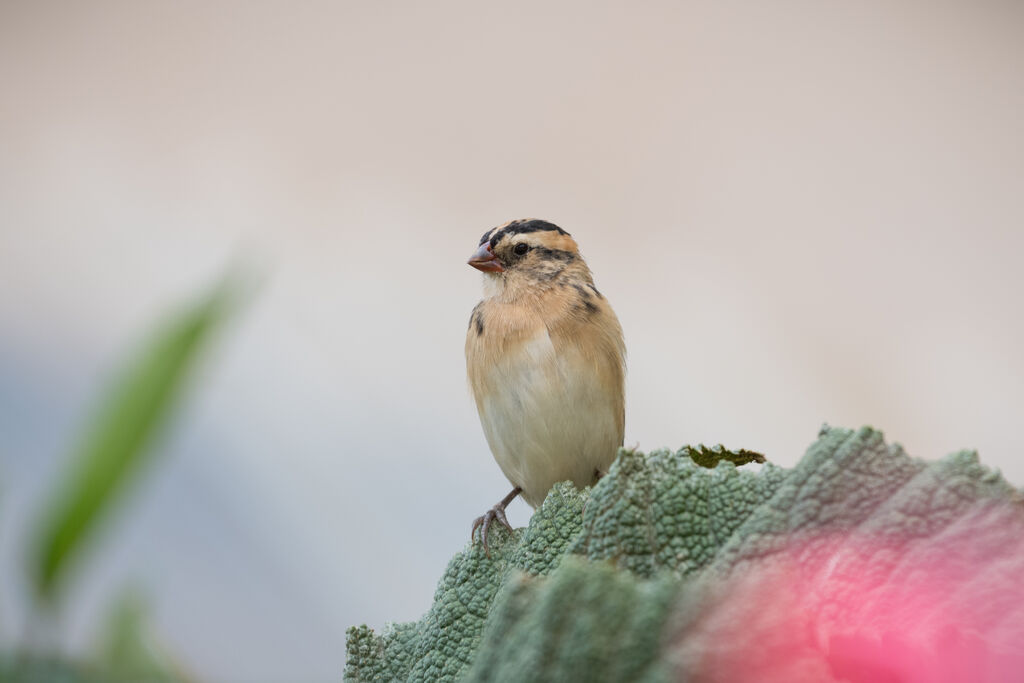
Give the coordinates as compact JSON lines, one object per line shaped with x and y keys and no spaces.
{"x":483,"y":522}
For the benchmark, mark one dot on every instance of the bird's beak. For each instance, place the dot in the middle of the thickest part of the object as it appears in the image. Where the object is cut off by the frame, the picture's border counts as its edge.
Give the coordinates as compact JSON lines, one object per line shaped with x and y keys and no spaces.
{"x":485,"y":260}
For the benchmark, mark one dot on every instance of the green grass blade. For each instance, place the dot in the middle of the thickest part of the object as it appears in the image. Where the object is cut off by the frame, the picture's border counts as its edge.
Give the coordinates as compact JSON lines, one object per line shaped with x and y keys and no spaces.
{"x":119,"y":440}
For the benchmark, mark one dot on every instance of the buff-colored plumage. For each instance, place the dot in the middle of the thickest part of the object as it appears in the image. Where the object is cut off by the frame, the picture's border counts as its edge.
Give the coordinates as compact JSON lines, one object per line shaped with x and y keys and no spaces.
{"x":546,"y":361}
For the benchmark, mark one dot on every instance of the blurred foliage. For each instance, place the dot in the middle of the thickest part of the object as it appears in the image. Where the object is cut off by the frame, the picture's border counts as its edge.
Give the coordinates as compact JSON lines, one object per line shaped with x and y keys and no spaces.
{"x":23,"y":668}
{"x":119,"y":442}
{"x":128,"y":648}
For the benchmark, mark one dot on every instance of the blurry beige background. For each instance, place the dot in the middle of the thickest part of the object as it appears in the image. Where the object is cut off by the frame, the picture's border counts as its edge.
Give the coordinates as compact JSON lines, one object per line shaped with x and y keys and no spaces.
{"x":802,"y":212}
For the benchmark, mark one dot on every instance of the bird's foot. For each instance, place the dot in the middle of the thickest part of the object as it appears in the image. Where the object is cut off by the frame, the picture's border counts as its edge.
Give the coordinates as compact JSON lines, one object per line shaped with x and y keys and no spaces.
{"x":484,"y":521}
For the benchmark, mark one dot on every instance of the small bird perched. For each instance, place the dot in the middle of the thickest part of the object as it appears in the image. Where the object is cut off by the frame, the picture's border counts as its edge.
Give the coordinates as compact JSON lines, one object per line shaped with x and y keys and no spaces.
{"x":546,"y":363}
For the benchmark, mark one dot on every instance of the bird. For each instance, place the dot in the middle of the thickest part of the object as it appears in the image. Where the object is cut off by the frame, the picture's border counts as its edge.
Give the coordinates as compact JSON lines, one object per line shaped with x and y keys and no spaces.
{"x":546,"y":362}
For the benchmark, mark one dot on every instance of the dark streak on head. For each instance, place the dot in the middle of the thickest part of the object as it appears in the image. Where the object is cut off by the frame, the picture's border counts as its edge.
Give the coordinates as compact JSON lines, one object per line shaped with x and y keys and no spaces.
{"x":599,"y":295}
{"x":479,"y":323}
{"x":521,"y":227}
{"x":555,"y":254}
{"x":548,"y":264}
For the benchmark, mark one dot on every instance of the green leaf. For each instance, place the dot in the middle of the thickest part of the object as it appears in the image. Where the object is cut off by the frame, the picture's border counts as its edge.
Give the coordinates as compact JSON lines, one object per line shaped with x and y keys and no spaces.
{"x":120,"y":439}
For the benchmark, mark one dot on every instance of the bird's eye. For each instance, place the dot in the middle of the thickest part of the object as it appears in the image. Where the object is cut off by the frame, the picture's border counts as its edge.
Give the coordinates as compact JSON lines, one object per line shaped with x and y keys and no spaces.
{"x":521,"y":249}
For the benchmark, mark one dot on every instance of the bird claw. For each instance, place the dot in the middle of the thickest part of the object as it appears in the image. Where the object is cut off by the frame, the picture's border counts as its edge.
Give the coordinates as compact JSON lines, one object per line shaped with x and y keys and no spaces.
{"x":484,"y":521}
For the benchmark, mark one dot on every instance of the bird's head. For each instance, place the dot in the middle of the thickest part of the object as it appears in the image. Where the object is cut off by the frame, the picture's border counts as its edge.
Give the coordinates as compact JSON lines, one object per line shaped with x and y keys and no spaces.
{"x":526,"y":249}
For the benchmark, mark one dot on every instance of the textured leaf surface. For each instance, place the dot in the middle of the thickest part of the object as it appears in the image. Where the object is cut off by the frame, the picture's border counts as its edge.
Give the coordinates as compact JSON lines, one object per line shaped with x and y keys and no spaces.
{"x":858,"y":564}
{"x":441,"y":645}
{"x":598,"y":624}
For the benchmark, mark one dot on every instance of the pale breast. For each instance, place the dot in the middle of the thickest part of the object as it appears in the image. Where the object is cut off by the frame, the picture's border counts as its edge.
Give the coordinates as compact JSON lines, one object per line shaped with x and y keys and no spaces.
{"x":548,"y":415}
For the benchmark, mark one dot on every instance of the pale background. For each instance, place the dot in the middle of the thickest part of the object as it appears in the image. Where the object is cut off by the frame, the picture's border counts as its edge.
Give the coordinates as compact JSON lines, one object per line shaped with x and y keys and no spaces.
{"x":801,"y":211}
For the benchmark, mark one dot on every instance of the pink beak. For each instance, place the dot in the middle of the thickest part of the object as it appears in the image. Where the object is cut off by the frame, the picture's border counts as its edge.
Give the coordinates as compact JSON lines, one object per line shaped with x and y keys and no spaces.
{"x":485,"y":260}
